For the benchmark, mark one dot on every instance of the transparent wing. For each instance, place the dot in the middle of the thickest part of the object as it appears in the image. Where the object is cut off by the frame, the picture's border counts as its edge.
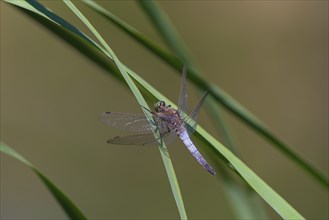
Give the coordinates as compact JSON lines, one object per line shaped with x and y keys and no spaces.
{"x":126,"y":121}
{"x":133,"y":122}
{"x":182,"y":101}
{"x":136,"y":123}
{"x":169,"y":137}
{"x":190,"y":121}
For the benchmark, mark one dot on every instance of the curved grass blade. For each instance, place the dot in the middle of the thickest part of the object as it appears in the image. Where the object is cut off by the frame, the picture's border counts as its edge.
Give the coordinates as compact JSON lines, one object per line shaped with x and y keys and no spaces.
{"x":280,"y":205}
{"x":52,"y":16}
{"x":69,"y":207}
{"x":269,"y":195}
{"x":217,"y":93}
{"x":162,"y":148}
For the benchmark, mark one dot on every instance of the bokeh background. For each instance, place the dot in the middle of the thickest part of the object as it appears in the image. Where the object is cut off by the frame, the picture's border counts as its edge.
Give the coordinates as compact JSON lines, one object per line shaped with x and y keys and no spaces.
{"x":271,"y":56}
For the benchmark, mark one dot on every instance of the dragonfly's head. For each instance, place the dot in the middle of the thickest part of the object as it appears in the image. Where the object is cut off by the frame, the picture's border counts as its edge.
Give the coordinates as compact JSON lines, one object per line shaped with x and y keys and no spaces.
{"x":160,"y":106}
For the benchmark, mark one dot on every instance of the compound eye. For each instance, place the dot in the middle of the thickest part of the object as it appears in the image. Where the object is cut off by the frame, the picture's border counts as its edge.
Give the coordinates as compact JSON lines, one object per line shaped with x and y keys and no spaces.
{"x":158,"y":105}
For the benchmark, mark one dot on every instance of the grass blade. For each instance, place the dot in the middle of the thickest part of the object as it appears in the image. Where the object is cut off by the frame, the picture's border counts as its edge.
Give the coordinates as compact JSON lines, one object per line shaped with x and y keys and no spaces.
{"x":69,"y":207}
{"x":218,"y":94}
{"x":162,"y":148}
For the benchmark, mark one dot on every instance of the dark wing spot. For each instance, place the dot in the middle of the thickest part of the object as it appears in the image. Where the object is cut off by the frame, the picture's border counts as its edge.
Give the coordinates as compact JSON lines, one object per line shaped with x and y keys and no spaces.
{"x":110,"y":140}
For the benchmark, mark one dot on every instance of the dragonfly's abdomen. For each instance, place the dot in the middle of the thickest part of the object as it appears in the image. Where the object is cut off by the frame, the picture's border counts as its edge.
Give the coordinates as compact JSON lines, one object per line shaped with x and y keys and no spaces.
{"x":194,"y":151}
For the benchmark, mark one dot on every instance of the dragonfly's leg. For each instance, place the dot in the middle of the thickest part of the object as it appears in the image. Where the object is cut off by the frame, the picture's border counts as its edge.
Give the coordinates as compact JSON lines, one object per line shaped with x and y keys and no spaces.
{"x":146,"y":109}
{"x":154,"y":121}
{"x":168,"y":129}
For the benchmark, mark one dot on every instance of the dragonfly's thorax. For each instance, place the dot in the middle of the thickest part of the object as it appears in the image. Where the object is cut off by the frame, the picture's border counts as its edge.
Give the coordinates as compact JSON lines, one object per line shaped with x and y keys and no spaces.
{"x":169,"y":115}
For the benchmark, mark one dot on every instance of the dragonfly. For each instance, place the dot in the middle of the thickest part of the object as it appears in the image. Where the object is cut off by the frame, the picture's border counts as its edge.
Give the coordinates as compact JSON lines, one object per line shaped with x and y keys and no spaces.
{"x":168,"y":121}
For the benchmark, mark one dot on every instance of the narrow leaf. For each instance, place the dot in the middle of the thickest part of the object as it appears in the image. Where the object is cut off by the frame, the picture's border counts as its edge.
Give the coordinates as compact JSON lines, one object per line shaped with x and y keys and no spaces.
{"x":162,"y":148}
{"x":69,"y":207}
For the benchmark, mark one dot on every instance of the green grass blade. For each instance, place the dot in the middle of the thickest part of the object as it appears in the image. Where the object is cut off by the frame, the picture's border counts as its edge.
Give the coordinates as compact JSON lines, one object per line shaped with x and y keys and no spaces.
{"x":268,"y":194}
{"x":52,"y":16}
{"x":282,"y":207}
{"x":163,"y":24}
{"x":162,"y":148}
{"x":136,"y":34}
{"x":218,"y":94}
{"x":69,"y":207}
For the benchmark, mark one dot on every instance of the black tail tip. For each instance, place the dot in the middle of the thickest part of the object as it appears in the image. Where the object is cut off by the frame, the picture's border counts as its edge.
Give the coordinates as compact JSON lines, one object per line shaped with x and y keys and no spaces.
{"x":212,"y":172}
{"x":210,"y":169}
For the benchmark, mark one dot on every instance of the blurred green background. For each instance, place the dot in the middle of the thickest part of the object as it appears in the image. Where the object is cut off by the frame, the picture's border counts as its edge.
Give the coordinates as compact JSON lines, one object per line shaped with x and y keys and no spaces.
{"x":271,"y":56}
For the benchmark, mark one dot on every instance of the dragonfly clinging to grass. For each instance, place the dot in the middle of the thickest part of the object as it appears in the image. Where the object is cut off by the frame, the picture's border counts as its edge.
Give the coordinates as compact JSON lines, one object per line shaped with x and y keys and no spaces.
{"x":168,"y":121}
